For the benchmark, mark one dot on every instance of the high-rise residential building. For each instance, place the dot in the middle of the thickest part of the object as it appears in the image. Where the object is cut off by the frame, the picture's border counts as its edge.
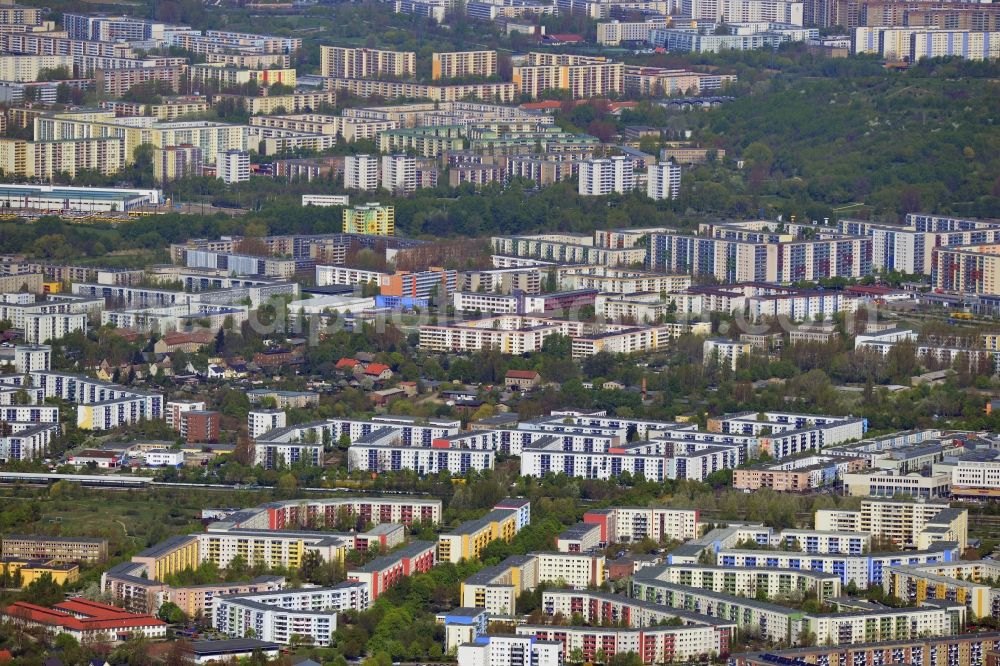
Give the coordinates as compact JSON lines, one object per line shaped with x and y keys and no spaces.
{"x":582,"y":79}
{"x":463,"y":64}
{"x":174,"y":411}
{"x":969,"y":269}
{"x":744,"y":11}
{"x":370,"y":218}
{"x":663,"y":180}
{"x":260,"y":421}
{"x":968,"y":44}
{"x":360,"y":63}
{"x":20,"y":15}
{"x":605,"y":176}
{"x":176,"y":162}
{"x":28,"y":67}
{"x":399,"y":173}
{"x":233,"y":166}
{"x":30,"y":358}
{"x":102,"y":28}
{"x":361,"y":172}
{"x":200,"y":425}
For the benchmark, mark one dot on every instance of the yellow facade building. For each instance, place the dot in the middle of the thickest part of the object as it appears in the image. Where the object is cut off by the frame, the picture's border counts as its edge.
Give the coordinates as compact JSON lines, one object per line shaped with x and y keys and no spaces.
{"x":26,"y":572}
{"x":370,"y":218}
{"x":171,"y":556}
{"x":471,"y":537}
{"x":45,"y":159}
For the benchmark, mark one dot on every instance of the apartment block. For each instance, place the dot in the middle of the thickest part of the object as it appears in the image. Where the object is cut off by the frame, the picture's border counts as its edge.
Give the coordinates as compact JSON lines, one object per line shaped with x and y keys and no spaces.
{"x":281,"y":616}
{"x":511,"y":650}
{"x":663,"y":181}
{"x":613,"y":33}
{"x":28,"y":67}
{"x":463,"y":64}
{"x":504,"y":93}
{"x":170,"y":557}
{"x":363,"y":63}
{"x":467,"y":540}
{"x":361,"y":172}
{"x":260,"y":421}
{"x":300,"y":102}
{"x":370,"y":218}
{"x":903,"y":521}
{"x":384,"y":572}
{"x":232,"y":166}
{"x":582,"y":81}
{"x":63,"y":549}
{"x":629,"y":524}
{"x":177,"y":162}
{"x":606,"y":176}
{"x":116,"y":82}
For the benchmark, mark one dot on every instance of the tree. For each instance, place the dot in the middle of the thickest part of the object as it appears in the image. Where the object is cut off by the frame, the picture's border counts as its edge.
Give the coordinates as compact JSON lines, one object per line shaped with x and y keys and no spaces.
{"x":172,"y":613}
{"x":44,"y":591}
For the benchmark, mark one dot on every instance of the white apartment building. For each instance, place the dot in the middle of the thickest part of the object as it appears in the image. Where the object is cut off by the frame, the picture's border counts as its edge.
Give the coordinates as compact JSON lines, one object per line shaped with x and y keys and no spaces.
{"x":663,"y":181}
{"x":485,"y":303}
{"x":174,"y":411}
{"x":361,"y":172}
{"x":325,"y":200}
{"x":52,"y":326}
{"x":613,"y":33}
{"x":331,"y":275}
{"x":578,"y":571}
{"x":511,"y":651}
{"x":260,"y":421}
{"x":277,"y":454}
{"x":903,"y":521}
{"x":399,"y":173}
{"x":232,"y":166}
{"x":277,"y":616}
{"x":634,"y":523}
{"x":728,"y":352}
{"x":601,"y":177}
{"x":379,"y":457}
{"x":29,"y":358}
